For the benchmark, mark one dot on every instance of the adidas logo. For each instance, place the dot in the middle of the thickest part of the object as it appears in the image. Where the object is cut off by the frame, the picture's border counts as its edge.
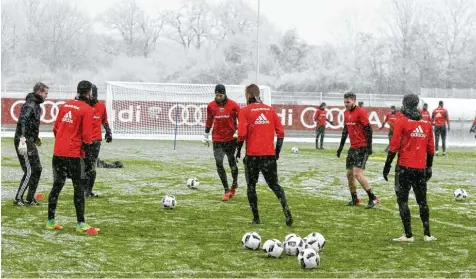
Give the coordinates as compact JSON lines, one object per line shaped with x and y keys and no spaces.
{"x":418,"y":132}
{"x":261,"y":119}
{"x":68,"y":117}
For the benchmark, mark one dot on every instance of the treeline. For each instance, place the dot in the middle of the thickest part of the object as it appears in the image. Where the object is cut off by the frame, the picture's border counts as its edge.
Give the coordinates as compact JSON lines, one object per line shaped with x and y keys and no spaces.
{"x":426,"y":44}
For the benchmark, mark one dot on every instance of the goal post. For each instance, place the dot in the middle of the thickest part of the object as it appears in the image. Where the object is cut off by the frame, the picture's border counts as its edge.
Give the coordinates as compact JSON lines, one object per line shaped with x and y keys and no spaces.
{"x":165,"y":111}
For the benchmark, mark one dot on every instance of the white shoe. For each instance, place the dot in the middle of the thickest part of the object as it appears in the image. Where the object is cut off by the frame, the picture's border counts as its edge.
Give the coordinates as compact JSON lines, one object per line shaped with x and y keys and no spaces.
{"x":436,"y":153}
{"x":404,"y":238}
{"x":444,"y":153}
{"x":429,"y":238}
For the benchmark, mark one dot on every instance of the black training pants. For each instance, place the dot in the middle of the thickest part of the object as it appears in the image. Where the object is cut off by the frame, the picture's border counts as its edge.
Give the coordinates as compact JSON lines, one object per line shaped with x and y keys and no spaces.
{"x":405,"y":179}
{"x":220,"y":149}
{"x":66,"y":167}
{"x":440,"y":130}
{"x":31,"y":166}
{"x":320,"y":132}
{"x":92,"y":155}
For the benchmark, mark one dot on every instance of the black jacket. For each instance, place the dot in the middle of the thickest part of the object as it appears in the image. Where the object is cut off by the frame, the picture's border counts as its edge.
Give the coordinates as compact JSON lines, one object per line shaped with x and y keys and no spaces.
{"x":28,"y":124}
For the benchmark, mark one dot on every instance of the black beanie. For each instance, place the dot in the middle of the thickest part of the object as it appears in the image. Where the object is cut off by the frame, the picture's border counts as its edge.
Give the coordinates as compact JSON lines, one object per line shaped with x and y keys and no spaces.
{"x":410,"y":100}
{"x":323,"y":104}
{"x":220,"y":89}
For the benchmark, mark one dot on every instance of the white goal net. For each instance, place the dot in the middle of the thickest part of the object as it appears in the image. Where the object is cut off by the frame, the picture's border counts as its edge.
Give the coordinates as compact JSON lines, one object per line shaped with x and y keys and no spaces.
{"x":164,"y":110}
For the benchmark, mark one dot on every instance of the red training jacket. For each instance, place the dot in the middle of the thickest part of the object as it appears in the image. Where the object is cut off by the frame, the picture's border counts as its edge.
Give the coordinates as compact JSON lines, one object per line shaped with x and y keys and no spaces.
{"x":425,"y":115}
{"x":355,"y":121}
{"x":412,"y":139}
{"x":390,"y":118}
{"x":440,"y":116}
{"x":72,"y":127}
{"x":99,"y":118}
{"x":223,"y":118}
{"x":257,"y":124}
{"x":320,"y":117}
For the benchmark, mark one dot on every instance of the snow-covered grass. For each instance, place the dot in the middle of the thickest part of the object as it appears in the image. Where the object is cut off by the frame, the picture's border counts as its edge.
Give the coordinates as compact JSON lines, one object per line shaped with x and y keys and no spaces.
{"x":202,"y":236}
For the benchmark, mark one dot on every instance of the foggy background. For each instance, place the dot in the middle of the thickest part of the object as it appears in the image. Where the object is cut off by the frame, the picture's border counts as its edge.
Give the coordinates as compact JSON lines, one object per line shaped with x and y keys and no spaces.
{"x":385,"y":46}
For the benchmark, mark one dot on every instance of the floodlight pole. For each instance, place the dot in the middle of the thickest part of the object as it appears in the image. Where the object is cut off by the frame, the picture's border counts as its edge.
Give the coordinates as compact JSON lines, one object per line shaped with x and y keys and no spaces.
{"x":257,"y":46}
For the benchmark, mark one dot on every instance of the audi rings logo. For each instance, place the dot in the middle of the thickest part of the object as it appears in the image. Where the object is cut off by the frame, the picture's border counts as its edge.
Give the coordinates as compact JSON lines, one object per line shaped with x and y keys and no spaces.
{"x":331,"y":113}
{"x":49,"y":110}
{"x":190,"y":115}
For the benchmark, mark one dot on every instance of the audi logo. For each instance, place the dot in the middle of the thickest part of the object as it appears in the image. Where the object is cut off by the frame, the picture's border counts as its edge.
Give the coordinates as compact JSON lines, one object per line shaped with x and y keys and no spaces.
{"x":188,"y":114}
{"x":45,"y":117}
{"x":330,"y":115}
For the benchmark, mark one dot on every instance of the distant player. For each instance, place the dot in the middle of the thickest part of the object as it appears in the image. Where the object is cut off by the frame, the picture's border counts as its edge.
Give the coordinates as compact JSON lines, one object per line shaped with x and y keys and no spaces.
{"x":361,"y":104}
{"x":425,"y":114}
{"x":321,"y":118}
{"x":92,"y":154}
{"x":473,"y":128}
{"x":413,"y":141}
{"x":222,"y":114}
{"x":73,"y":136}
{"x":390,"y":118}
{"x":258,"y":124}
{"x":440,"y":120}
{"x":26,"y":140}
{"x":359,"y":130}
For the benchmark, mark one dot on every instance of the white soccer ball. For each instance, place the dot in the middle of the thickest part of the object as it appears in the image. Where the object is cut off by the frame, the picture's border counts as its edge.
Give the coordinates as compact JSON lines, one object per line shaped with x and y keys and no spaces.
{"x":251,"y":240}
{"x":291,"y":245}
{"x":308,"y":258}
{"x":316,"y":241}
{"x":193,"y":183}
{"x":302,"y":245}
{"x":169,"y":202}
{"x":289,"y":236}
{"x":460,"y":194}
{"x":273,"y":247}
{"x":294,"y":150}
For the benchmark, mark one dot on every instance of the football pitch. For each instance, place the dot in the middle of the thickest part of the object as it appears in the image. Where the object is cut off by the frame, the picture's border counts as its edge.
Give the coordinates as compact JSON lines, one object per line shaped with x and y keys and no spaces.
{"x":201,"y":237}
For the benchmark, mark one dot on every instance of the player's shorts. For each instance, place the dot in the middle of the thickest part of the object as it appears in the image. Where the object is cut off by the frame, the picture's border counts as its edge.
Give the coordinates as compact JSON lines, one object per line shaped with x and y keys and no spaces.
{"x":356,"y":158}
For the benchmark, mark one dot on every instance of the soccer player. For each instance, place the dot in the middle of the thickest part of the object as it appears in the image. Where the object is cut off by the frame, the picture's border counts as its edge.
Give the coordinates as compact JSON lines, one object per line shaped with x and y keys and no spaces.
{"x":257,"y":125}
{"x":440,"y":119}
{"x":359,"y":130}
{"x":413,"y":141}
{"x":92,"y":154}
{"x":321,"y":118}
{"x":361,"y":104}
{"x":26,"y":140}
{"x":73,"y":136}
{"x":222,"y":114}
{"x":473,"y":128}
{"x":390,"y":118}
{"x":425,"y":114}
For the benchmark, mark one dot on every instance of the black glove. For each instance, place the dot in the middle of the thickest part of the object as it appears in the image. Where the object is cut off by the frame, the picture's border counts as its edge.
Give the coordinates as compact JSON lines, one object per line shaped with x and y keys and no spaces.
{"x":277,"y":155}
{"x":245,"y":160}
{"x":386,"y":171}
{"x":369,"y":150}
{"x":238,"y":154}
{"x":339,"y":151}
{"x":108,"y":137}
{"x":428,"y":173}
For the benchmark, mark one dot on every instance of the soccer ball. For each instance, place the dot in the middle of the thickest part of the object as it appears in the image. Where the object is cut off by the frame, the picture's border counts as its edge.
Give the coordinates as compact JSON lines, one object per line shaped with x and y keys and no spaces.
{"x":169,"y":202}
{"x":308,"y":258}
{"x":291,"y":245}
{"x":251,"y":240}
{"x":316,"y":241}
{"x":273,"y":247}
{"x":460,"y":194}
{"x":193,"y":183}
{"x":294,"y":150}
{"x":302,"y":245}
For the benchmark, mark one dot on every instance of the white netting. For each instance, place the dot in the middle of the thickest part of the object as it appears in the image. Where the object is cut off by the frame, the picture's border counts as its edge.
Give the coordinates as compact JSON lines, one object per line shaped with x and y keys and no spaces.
{"x":162,"y":110}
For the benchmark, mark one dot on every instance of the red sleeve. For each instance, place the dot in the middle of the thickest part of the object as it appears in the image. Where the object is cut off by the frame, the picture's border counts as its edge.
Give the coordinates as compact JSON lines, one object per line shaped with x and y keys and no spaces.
{"x":364,"y":117}
{"x":210,"y":117}
{"x":242,"y":125}
{"x":474,"y":121}
{"x":104,"y":116}
{"x":56,"y":124}
{"x":87,"y":126}
{"x":278,"y":126}
{"x":238,"y":109}
{"x":385,"y":119}
{"x":316,"y":115}
{"x":430,"y":148}
{"x":397,"y":133}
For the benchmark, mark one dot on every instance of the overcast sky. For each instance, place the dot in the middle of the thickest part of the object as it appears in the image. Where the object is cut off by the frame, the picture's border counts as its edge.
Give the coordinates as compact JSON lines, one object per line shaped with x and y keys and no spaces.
{"x":315,"y":20}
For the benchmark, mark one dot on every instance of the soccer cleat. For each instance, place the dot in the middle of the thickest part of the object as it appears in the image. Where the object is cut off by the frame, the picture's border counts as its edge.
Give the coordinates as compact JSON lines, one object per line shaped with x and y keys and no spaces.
{"x":404,"y":238}
{"x":372,"y":203}
{"x":255,"y":221}
{"x":93,"y":195}
{"x":429,"y":238}
{"x":444,"y":153}
{"x":356,"y":203}
{"x":51,"y":225}
{"x":436,"y":153}
{"x":226,"y":196}
{"x":83,"y":228}
{"x":232,"y":191}
{"x":19,"y":203}
{"x":33,"y":202}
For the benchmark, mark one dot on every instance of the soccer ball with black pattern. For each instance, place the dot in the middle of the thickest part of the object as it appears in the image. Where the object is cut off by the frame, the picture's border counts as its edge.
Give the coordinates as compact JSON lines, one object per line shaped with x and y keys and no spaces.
{"x":169,"y":202}
{"x":193,"y":183}
{"x":308,"y":258}
{"x":316,"y":241}
{"x":273,"y":247}
{"x":291,"y":245}
{"x":294,"y":150}
{"x":460,"y":194}
{"x":251,"y":240}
